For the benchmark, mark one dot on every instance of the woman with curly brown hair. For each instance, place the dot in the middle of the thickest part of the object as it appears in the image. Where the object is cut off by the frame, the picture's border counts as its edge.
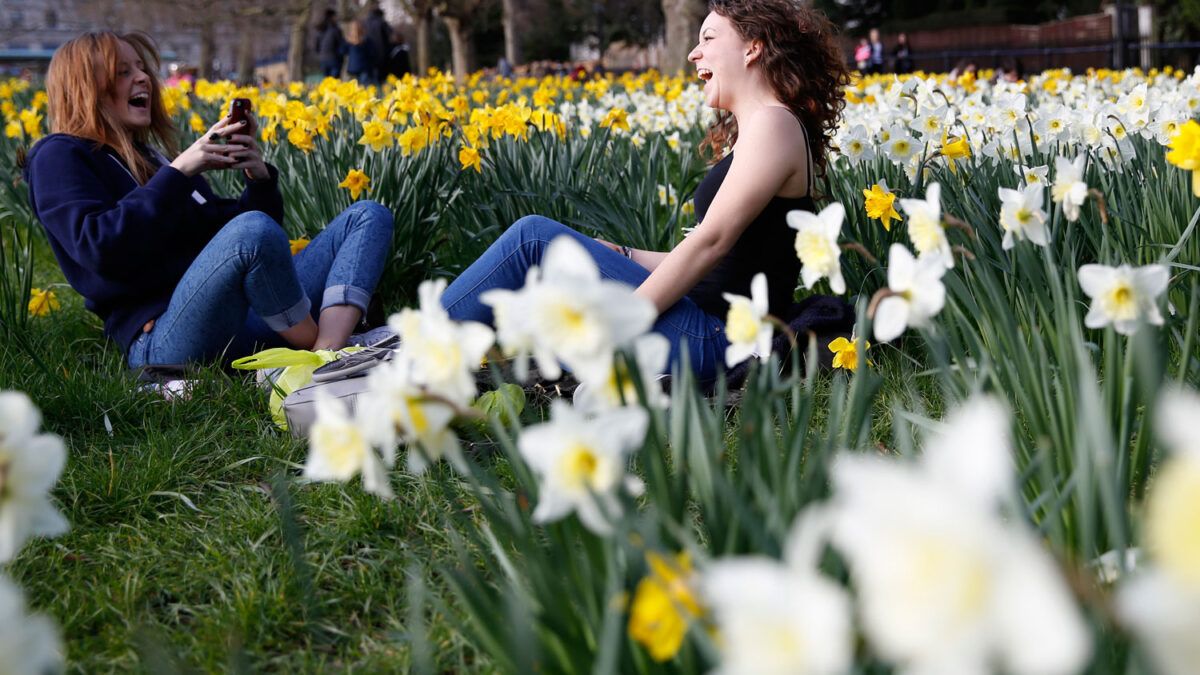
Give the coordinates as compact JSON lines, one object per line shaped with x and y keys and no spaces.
{"x":773,"y":71}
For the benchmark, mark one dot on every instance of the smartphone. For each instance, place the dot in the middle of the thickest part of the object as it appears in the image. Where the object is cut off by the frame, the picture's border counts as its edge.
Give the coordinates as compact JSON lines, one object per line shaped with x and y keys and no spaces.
{"x":238,"y":108}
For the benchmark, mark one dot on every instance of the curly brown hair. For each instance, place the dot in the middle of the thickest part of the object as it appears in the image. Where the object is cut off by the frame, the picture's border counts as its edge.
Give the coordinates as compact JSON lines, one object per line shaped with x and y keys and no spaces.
{"x":801,"y":61}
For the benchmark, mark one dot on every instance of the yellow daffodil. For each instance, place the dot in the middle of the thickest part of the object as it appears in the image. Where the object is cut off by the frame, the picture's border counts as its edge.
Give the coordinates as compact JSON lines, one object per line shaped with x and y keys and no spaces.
{"x":197,"y":123}
{"x":377,"y":135}
{"x":469,"y":158}
{"x":12,"y":129}
{"x":663,"y":606}
{"x":356,"y":181}
{"x":845,"y":353}
{"x":881,"y":205}
{"x":616,"y":118}
{"x":1185,"y":152}
{"x":299,"y":244}
{"x":42,"y":302}
{"x":300,"y":138}
{"x":413,"y":140}
{"x":32,"y":123}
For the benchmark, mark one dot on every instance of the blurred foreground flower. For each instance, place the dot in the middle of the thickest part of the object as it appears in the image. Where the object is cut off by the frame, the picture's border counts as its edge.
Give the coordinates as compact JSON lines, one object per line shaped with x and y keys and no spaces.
{"x":664,"y":605}
{"x":30,"y":464}
{"x":567,"y":313}
{"x":916,"y":293}
{"x":581,"y":461}
{"x":337,"y":450}
{"x":42,"y":302}
{"x":29,"y":644}
{"x":773,"y":617}
{"x":1123,"y":296}
{"x":945,"y":582}
{"x":609,"y":384}
{"x":817,"y":245}
{"x":356,"y":181}
{"x":748,"y":327}
{"x":1161,"y":603}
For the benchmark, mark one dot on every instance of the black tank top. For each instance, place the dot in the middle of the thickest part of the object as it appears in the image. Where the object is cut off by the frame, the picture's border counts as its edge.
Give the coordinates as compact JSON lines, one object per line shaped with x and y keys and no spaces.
{"x":767,"y":245}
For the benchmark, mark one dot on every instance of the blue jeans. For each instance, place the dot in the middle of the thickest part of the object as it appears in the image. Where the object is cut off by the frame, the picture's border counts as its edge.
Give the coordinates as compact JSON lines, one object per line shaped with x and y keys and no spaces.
{"x":689,"y":329}
{"x":245,"y":286}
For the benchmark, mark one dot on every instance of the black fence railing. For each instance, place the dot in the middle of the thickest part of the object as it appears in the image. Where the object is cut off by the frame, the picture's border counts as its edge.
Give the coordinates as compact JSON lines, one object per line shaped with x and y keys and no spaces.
{"x":1041,"y":58}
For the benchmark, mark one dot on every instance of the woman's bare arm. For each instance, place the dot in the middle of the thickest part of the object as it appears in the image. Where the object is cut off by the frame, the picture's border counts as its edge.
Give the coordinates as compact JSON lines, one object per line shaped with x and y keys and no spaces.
{"x":770,"y":151}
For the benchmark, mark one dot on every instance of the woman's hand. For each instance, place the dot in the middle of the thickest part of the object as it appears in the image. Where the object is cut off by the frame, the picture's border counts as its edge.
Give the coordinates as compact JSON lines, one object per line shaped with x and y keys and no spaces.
{"x":207,"y":152}
{"x":245,"y":150}
{"x":611,"y":245}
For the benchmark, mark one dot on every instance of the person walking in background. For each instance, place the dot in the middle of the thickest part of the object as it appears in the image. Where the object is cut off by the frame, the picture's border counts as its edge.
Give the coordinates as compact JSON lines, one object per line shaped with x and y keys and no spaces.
{"x":862,"y":55}
{"x":360,"y":57}
{"x":331,"y":46}
{"x":902,"y":55}
{"x":379,"y":36}
{"x":875,"y":66}
{"x":398,"y":63}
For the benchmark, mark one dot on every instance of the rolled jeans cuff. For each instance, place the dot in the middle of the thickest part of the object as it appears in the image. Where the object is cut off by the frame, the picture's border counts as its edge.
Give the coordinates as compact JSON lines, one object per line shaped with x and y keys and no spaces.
{"x":290,"y":316}
{"x":346,"y":295}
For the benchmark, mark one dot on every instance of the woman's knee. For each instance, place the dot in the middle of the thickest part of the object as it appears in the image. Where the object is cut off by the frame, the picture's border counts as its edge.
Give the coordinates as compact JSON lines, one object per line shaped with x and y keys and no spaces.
{"x":535,"y":228}
{"x":256,"y":229}
{"x":373,"y":215}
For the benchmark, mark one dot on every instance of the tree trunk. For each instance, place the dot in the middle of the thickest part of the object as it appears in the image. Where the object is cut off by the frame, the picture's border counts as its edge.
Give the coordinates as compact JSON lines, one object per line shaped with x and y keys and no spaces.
{"x":298,"y":44}
{"x":207,"y":47}
{"x":460,"y":45}
{"x":245,"y":57}
{"x":512,"y":44}
{"x":422,"y":61}
{"x":683,"y":24}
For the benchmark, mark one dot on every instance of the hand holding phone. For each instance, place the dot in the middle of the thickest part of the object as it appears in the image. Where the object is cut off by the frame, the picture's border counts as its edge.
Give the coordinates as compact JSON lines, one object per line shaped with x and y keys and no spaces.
{"x":238,"y":108}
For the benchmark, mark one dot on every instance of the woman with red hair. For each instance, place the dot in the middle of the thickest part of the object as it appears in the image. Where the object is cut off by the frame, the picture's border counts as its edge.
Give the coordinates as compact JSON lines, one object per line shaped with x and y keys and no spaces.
{"x":178,"y":273}
{"x":773,"y":71}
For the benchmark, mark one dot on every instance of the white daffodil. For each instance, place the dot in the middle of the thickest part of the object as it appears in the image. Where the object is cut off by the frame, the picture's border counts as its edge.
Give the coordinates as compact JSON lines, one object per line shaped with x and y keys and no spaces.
{"x":773,"y":618}
{"x":925,"y":227}
{"x":1069,"y":188}
{"x":338,"y":449}
{"x":1161,"y":603}
{"x":444,"y":353}
{"x":396,"y":409}
{"x":1123,"y":296}
{"x":944,"y":582}
{"x":1033,"y":174}
{"x":747,"y":327}
{"x":580,"y":462}
{"x":900,"y":145}
{"x":817,"y":245}
{"x":606,"y":386}
{"x":573,"y":315}
{"x":30,"y":464}
{"x":857,"y":145}
{"x":30,"y":644}
{"x":917,"y":294}
{"x":514,"y":330}
{"x":1022,"y":217}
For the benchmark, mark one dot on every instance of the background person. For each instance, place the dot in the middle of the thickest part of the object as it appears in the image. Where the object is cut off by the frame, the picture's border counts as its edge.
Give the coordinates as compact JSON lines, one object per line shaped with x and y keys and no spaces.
{"x":360,"y":55}
{"x":177,"y":273}
{"x":902,"y":55}
{"x":773,"y":70}
{"x":331,"y":45}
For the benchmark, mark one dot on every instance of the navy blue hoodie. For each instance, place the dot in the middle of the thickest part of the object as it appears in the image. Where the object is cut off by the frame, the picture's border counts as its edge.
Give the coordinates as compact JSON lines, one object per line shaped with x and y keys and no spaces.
{"x":121,"y":245}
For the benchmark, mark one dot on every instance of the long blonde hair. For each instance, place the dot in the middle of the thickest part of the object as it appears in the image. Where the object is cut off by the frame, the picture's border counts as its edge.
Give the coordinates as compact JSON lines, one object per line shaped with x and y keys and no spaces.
{"x":82,"y":72}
